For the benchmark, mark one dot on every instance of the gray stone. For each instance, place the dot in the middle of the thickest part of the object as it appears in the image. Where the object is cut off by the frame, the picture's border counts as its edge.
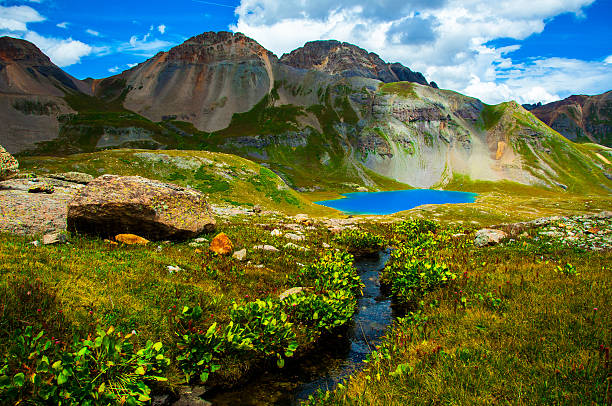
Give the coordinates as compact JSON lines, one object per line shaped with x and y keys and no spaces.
{"x":295,"y":237}
{"x":269,"y":248}
{"x":291,"y":292}
{"x":240,"y":255}
{"x":487,"y":236}
{"x":54,"y":238}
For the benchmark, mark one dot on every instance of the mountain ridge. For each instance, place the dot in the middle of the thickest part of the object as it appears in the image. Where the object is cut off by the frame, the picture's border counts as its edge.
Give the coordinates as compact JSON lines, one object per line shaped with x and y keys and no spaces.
{"x":225,"y":92}
{"x":580,"y":117}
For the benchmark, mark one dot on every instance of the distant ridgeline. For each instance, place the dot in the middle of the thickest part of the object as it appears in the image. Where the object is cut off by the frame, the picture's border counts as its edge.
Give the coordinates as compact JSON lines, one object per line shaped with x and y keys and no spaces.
{"x":326,"y":114}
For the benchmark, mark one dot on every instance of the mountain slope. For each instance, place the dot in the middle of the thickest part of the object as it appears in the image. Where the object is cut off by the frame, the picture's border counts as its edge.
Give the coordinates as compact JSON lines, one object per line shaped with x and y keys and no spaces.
{"x":580,"y":118}
{"x":31,"y":94}
{"x":342,"y":58}
{"x":319,"y":126}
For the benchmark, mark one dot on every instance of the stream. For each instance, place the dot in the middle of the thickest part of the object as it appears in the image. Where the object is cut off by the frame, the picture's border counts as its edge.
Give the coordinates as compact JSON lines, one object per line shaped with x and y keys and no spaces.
{"x":329,"y":365}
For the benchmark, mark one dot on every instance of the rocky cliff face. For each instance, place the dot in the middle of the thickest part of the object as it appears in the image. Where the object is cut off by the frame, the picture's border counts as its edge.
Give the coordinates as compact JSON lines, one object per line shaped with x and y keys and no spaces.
{"x":204,"y":80}
{"x":342,"y":58}
{"x":580,"y":118}
{"x":31,"y":94}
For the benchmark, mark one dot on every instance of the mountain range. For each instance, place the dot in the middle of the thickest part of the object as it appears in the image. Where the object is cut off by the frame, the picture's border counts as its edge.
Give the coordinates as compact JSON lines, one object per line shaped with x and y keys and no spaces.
{"x":326,"y":114}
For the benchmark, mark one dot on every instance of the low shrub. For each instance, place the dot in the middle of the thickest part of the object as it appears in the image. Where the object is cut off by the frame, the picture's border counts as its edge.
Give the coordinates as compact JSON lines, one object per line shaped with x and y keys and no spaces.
{"x":103,"y":370}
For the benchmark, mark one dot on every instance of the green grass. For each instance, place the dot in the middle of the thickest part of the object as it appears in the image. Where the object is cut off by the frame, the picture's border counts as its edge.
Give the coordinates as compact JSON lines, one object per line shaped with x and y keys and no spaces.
{"x":492,"y":114}
{"x":71,"y":289}
{"x":403,"y":89}
{"x":221,"y":177}
{"x":510,"y":329}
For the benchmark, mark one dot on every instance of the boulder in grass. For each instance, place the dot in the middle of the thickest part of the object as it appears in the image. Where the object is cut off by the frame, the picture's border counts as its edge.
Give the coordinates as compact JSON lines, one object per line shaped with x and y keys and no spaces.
{"x":111,"y":205}
{"x":488,"y":236}
{"x":9,"y":167}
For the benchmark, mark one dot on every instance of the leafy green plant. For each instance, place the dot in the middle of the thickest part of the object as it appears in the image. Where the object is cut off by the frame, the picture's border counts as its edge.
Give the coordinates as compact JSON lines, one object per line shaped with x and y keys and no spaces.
{"x":332,"y":272}
{"x":198,"y":350}
{"x":567,"y":270}
{"x":410,"y":278}
{"x":321,"y":312}
{"x":359,"y":241}
{"x":95,"y":371}
{"x":262,"y":326}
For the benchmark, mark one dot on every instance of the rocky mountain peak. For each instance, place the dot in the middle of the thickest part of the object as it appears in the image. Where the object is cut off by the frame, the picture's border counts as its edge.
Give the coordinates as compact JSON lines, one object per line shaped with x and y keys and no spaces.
{"x":345,"y":59}
{"x":21,"y":51}
{"x":217,"y":46}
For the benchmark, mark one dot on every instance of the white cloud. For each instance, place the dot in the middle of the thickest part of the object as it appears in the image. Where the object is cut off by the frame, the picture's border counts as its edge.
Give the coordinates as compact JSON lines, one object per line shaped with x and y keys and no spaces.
{"x":63,"y":25}
{"x":608,"y":60}
{"x":114,"y":69}
{"x":62,"y":52}
{"x":16,"y":18}
{"x":92,"y":32}
{"x":161,"y":29}
{"x":144,"y":46}
{"x":131,"y":65}
{"x":445,"y":39}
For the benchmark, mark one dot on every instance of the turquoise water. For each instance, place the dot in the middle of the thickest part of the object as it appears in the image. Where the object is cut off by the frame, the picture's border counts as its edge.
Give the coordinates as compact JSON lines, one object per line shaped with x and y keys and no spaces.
{"x":393,"y":202}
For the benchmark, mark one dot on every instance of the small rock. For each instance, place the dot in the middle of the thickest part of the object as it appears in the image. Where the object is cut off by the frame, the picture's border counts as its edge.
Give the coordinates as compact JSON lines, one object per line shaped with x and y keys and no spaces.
{"x":269,"y":248}
{"x":54,"y":238}
{"x":303,"y":219}
{"x":293,"y":246}
{"x":201,"y":240}
{"x":276,"y":232}
{"x":222,"y":245}
{"x":291,"y":292}
{"x":326,"y":245}
{"x":131,"y":239}
{"x":35,"y":243}
{"x":487,"y":236}
{"x":256,"y":209}
{"x":48,"y":189}
{"x":194,"y":244}
{"x":173,"y":269}
{"x":295,"y":237}
{"x":240,"y":255}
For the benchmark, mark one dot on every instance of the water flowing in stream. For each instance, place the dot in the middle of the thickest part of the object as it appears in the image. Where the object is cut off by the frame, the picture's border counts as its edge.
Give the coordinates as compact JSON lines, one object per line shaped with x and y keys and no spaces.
{"x":325,"y":367}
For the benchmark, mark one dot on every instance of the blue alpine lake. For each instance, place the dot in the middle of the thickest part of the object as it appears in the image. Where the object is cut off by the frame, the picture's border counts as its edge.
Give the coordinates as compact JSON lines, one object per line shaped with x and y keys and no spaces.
{"x":395,"y":201}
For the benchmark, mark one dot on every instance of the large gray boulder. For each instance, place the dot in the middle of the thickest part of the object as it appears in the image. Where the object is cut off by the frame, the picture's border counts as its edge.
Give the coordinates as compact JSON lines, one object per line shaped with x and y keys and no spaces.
{"x":111,"y":205}
{"x":8,"y":165}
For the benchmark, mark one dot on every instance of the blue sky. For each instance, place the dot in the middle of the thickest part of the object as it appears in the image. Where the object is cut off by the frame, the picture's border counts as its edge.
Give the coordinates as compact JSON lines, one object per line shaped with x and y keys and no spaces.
{"x":526,"y":50}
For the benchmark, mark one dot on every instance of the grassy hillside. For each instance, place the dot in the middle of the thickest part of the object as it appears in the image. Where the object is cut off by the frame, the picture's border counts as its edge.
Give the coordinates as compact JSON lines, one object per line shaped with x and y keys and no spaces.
{"x":225,"y":179}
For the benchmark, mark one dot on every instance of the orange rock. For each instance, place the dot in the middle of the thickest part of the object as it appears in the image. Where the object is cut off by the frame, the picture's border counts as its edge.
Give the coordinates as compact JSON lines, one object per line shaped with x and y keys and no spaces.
{"x":222,"y":245}
{"x":131,"y":239}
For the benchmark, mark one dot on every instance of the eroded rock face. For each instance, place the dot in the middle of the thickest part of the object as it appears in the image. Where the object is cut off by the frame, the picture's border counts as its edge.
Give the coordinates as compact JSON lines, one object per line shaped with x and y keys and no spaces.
{"x":111,"y":205}
{"x":580,"y":116}
{"x":342,"y":58}
{"x":8,"y":165}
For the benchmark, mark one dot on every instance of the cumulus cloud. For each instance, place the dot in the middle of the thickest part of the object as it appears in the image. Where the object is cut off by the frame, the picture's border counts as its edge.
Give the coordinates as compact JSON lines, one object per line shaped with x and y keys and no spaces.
{"x":608,"y":60}
{"x":445,"y":39}
{"x":114,"y":69}
{"x":62,"y":25}
{"x":62,"y":52}
{"x":16,"y":18}
{"x":161,"y":29}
